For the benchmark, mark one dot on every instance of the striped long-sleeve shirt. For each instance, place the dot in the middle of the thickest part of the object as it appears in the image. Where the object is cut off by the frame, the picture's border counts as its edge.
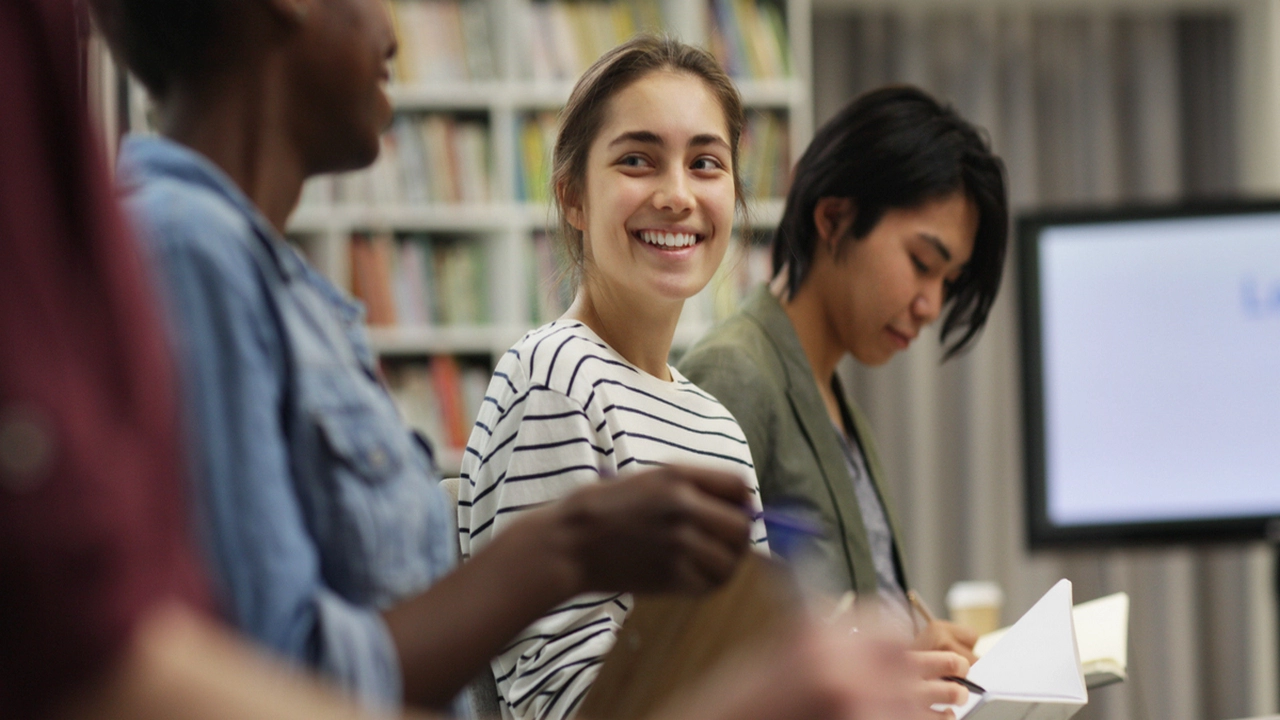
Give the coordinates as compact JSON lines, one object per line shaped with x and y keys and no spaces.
{"x":563,"y":410}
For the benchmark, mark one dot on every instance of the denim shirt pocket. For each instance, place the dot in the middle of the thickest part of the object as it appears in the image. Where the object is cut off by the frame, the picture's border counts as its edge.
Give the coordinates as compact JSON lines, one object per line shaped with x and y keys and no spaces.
{"x":358,"y":440}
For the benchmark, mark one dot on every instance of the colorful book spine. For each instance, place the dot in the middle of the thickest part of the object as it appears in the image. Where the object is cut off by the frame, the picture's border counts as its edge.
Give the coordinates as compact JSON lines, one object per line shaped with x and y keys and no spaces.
{"x":440,"y":397}
{"x":418,"y":281}
{"x":566,"y":37}
{"x":764,"y":155}
{"x":536,"y":140}
{"x":749,"y":38}
{"x":425,"y":159}
{"x":441,"y":41}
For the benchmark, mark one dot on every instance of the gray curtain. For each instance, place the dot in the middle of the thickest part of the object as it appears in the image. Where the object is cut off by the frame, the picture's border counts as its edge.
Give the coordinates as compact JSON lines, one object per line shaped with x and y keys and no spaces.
{"x":1086,"y":107}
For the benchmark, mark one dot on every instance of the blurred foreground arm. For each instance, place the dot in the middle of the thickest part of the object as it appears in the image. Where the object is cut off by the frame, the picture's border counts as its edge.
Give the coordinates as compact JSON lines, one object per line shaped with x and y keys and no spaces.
{"x":180,"y":664}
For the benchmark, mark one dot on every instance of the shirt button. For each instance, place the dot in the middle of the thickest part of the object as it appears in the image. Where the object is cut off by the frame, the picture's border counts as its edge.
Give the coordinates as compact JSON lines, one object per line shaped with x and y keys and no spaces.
{"x":378,"y":459}
{"x":26,"y":448}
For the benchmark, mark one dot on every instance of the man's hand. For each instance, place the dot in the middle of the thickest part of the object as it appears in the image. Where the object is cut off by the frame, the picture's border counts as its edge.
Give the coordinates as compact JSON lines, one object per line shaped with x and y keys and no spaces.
{"x":943,"y":635}
{"x":662,"y":530}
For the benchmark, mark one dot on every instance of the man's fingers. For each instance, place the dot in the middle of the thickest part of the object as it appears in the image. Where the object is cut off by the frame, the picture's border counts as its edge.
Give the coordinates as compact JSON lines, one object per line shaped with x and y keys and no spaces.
{"x":726,"y":486}
{"x":730,"y":524}
{"x":714,"y":560}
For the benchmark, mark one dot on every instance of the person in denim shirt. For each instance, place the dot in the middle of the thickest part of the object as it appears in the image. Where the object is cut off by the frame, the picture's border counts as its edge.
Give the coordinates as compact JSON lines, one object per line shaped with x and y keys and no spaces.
{"x":329,"y":539}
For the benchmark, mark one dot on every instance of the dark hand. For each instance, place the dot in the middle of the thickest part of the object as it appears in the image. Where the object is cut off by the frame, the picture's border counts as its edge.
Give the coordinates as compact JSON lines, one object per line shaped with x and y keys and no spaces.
{"x":667,"y":529}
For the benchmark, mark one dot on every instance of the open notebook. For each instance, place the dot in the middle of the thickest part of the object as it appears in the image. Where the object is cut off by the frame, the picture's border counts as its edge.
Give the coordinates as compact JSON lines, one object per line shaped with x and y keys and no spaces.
{"x":1033,"y":671}
{"x":1102,"y":634}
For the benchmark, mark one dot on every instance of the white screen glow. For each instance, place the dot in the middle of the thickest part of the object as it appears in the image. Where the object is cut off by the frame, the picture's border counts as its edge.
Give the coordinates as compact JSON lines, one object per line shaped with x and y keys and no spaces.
{"x":1161,"y":350}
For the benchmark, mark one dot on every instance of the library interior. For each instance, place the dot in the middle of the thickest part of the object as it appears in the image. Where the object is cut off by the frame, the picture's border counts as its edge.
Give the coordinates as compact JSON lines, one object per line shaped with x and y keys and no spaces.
{"x":1112,"y":424}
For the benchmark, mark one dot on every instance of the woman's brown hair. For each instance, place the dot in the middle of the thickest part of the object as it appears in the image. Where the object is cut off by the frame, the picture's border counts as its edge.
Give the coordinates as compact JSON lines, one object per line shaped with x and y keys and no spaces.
{"x":582,"y":116}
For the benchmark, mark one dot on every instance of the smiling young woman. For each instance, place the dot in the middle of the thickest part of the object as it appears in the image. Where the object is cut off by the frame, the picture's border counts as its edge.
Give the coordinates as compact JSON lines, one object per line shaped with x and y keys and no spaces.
{"x":645,"y":175}
{"x":897,"y":214}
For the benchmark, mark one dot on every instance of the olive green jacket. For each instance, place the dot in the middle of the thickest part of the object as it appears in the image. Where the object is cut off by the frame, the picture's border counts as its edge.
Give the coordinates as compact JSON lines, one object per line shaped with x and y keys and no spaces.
{"x":753,"y":363}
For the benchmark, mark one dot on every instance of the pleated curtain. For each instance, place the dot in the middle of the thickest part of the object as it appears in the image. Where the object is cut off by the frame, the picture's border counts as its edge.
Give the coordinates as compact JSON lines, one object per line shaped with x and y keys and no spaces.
{"x":1087,"y":107}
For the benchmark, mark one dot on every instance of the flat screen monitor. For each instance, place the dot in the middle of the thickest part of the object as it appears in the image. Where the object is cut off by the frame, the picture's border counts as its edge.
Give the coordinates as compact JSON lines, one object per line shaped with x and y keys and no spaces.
{"x":1151,"y":373}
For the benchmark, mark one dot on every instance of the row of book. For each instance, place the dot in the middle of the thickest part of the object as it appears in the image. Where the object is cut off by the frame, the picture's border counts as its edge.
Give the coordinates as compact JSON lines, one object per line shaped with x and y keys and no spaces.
{"x":442,"y":40}
{"x":749,"y":38}
{"x":564,"y":38}
{"x":440,"y":397}
{"x":452,"y":40}
{"x":420,"y":280}
{"x":434,"y":158}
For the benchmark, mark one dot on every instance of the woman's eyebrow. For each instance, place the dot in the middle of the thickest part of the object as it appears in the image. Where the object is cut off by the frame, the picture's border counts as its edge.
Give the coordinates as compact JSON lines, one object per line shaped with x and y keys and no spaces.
{"x":640,"y":136}
{"x":707,"y":139}
{"x":936,"y":242}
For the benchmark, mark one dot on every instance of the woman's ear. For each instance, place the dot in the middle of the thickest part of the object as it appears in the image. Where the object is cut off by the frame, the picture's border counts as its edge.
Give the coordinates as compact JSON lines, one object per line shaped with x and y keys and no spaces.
{"x":571,"y":206}
{"x":832,"y":217}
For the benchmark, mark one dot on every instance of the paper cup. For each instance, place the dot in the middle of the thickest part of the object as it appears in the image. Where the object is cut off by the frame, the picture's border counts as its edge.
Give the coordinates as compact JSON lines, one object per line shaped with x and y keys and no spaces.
{"x":976,"y":605}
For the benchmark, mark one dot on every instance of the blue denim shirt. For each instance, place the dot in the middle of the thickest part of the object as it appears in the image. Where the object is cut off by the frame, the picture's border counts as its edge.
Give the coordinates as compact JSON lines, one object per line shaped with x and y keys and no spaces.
{"x":318,"y":506}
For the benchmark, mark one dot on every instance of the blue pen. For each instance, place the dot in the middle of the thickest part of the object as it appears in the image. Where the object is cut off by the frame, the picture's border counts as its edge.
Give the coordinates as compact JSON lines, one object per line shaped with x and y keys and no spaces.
{"x":788,"y":529}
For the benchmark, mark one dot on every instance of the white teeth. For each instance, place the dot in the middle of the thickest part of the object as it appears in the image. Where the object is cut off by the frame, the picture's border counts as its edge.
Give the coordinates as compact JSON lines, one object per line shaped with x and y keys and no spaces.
{"x":664,"y":239}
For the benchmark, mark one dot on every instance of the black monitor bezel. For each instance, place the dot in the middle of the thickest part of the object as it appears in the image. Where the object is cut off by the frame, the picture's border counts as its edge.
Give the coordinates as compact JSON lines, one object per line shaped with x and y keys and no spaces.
{"x":1042,"y":533}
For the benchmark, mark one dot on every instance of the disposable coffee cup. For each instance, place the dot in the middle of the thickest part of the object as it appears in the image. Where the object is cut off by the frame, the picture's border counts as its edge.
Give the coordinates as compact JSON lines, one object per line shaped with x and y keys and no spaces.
{"x":976,"y":605}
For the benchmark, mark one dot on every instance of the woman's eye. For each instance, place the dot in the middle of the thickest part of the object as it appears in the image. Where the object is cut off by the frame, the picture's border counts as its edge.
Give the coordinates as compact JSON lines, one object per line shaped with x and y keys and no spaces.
{"x":919,"y":265}
{"x":707,"y":163}
{"x":632,"y":161}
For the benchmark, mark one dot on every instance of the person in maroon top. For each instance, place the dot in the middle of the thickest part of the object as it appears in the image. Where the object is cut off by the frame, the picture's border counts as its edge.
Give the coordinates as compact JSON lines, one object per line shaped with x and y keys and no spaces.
{"x":100,"y":594}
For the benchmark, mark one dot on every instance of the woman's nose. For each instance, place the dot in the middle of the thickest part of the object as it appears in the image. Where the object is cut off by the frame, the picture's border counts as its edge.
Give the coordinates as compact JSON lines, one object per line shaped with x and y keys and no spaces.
{"x":673,"y":193}
{"x":928,"y":303}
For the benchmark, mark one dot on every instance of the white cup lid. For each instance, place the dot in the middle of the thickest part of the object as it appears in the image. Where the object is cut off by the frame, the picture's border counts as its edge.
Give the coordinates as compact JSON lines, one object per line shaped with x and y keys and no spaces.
{"x":974,"y":593}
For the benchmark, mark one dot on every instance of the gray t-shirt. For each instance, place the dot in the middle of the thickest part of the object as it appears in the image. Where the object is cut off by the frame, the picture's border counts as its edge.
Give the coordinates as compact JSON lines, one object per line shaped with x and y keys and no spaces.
{"x":879,"y":534}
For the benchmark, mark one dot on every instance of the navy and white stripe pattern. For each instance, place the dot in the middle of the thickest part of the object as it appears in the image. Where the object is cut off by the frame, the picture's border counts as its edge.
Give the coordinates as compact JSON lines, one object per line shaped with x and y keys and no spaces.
{"x":563,"y":410}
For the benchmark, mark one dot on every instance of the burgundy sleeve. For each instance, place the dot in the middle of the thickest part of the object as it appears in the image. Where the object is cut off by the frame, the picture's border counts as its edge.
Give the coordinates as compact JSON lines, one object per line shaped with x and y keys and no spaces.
{"x":93,"y":523}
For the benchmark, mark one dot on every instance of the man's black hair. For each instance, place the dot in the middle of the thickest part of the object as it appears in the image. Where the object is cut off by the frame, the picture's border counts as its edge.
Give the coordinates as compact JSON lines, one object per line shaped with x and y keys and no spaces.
{"x":897,"y":147}
{"x":160,"y":40}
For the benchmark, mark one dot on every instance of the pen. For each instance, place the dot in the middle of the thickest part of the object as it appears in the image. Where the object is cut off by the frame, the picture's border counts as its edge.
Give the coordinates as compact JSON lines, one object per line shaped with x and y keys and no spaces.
{"x":918,"y":604}
{"x":971,"y":685}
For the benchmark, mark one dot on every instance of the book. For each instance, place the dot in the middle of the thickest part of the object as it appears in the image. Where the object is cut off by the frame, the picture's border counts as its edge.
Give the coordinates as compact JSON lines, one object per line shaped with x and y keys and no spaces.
{"x":441,"y":40}
{"x":670,"y":643}
{"x":1032,"y":672}
{"x":371,"y":272}
{"x":536,"y":139}
{"x":1102,"y":634}
{"x":440,"y":397}
{"x":748,"y":38}
{"x":420,"y":280}
{"x":763,"y":154}
{"x":426,"y":158}
{"x":564,"y":38}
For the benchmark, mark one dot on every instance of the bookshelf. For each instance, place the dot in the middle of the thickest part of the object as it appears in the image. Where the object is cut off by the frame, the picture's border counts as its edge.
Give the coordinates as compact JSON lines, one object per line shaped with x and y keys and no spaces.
{"x":476,"y":87}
